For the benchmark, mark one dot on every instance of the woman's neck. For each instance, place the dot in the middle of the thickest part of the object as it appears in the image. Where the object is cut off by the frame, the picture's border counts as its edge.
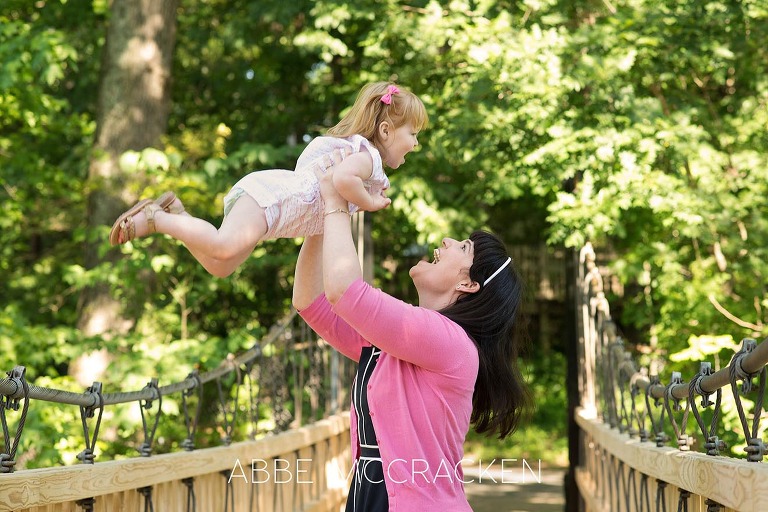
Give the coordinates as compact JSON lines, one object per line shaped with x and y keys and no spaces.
{"x":437,"y":302}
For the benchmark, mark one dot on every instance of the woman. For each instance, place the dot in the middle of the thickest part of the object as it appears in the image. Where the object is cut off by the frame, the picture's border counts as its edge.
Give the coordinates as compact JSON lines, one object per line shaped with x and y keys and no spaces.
{"x":425,"y":372}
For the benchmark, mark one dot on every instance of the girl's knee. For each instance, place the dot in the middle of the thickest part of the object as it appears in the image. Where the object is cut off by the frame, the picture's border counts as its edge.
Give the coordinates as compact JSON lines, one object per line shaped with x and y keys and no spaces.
{"x":219,"y":268}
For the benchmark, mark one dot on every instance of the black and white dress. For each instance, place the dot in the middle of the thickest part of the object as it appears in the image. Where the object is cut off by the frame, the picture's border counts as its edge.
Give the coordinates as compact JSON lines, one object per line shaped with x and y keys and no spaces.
{"x":367,"y":492}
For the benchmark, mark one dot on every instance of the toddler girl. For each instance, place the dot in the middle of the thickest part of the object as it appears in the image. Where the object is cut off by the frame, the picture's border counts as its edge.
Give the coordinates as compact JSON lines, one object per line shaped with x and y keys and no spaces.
{"x":380,"y":129}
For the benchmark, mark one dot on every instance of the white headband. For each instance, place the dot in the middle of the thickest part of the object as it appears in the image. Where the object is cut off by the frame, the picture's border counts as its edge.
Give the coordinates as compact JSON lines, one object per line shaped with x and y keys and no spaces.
{"x":497,"y":272}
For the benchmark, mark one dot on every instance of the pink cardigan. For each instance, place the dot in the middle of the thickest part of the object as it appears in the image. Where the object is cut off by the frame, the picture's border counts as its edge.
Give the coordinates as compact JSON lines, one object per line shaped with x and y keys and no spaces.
{"x":420,"y":394}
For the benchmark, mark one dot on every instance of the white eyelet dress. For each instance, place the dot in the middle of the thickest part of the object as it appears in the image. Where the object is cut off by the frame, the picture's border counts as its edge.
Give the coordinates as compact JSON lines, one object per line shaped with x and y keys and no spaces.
{"x":291,"y":199}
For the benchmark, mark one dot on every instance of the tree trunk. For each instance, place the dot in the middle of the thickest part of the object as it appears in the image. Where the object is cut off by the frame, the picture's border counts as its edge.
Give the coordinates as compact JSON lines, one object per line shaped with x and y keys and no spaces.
{"x":133,"y":106}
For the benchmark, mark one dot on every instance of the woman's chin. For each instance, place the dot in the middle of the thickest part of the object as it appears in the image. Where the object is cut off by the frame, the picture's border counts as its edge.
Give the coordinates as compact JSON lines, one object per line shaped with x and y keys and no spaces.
{"x":415,"y":268}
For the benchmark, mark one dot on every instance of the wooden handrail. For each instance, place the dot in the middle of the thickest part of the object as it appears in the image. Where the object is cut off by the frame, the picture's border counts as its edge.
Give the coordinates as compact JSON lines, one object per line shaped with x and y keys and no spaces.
{"x":731,"y":482}
{"x":619,"y":461}
{"x":752,"y":362}
{"x":50,"y":486}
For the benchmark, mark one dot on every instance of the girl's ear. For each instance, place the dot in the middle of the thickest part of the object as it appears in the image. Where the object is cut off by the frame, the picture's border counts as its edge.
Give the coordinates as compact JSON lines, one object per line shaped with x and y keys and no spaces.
{"x":384,"y":130}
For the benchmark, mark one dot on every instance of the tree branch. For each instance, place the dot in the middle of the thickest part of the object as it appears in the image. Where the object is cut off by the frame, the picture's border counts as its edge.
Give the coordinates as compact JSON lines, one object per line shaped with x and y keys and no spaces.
{"x":733,"y":318}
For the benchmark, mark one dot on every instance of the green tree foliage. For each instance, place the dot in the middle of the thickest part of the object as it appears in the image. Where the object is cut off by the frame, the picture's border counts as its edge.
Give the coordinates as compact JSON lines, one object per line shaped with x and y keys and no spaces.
{"x":637,"y":124}
{"x":664,"y":136}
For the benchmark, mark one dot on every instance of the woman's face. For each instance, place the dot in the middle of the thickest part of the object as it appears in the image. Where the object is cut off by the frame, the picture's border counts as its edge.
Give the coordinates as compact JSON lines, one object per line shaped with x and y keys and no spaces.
{"x":449,"y":267}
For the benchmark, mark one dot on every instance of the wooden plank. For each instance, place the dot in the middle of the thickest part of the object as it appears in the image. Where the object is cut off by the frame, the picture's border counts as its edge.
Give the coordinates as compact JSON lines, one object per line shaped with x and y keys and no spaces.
{"x":588,"y":492}
{"x":333,"y":500}
{"x":731,"y":482}
{"x":37,"y":487}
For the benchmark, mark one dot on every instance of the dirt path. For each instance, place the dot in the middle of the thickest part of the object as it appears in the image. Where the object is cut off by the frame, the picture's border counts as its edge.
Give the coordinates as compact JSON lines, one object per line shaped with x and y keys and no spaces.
{"x":515,"y":490}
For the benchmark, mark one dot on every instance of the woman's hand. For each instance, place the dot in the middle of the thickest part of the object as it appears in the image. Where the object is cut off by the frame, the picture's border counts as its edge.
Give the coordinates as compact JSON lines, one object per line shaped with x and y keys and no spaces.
{"x":324,"y":172}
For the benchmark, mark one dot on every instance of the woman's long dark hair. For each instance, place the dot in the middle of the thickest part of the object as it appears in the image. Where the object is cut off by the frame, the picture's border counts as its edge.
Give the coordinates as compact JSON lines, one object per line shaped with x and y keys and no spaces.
{"x":492,"y":318}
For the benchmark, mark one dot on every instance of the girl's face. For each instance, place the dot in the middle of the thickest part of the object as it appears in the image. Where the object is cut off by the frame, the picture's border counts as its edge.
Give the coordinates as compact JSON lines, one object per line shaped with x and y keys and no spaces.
{"x":397,"y":143}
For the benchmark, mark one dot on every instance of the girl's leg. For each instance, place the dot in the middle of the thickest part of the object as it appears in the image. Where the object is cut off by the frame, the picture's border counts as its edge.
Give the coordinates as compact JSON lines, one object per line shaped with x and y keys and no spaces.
{"x":221,"y":250}
{"x":220,"y":268}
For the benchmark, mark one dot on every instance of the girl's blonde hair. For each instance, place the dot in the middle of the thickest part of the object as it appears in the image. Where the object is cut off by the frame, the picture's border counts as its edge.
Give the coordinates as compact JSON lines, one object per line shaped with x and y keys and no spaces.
{"x":369,"y":111}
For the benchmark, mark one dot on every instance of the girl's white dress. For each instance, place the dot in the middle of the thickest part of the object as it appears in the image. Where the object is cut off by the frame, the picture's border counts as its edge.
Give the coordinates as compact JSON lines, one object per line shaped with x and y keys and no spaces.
{"x":291,"y":199}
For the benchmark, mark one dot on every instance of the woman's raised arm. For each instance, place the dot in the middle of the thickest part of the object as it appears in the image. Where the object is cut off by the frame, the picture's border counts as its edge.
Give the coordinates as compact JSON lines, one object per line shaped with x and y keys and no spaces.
{"x":308,"y":280}
{"x":340,"y":266}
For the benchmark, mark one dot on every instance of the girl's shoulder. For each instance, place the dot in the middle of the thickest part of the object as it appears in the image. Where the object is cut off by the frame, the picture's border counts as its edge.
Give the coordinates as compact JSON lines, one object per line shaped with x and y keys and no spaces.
{"x":319,"y":147}
{"x":329,"y":142}
{"x":358,"y":141}
{"x":325,"y":144}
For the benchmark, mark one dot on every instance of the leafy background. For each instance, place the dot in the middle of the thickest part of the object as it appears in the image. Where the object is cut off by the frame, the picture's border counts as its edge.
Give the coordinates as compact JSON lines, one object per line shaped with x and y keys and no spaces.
{"x":638,"y":125}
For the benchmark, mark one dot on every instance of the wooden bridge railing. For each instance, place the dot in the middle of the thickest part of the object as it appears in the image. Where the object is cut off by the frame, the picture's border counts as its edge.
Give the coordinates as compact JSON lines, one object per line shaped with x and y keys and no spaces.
{"x":626,"y":417}
{"x":303,"y":469}
{"x":298,"y":462}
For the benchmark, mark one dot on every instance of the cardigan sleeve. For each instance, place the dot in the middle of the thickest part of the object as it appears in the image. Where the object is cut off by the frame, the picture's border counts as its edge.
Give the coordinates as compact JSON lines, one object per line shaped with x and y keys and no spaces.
{"x":333,"y":329}
{"x":417,"y":335}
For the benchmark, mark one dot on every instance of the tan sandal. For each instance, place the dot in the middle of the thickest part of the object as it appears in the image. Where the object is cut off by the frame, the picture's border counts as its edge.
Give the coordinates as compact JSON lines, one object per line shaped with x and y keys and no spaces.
{"x":124,"y":228}
{"x":166,"y":201}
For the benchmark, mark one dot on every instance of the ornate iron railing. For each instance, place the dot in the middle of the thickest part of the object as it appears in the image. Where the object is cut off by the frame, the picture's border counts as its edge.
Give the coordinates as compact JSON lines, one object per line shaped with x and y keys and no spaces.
{"x":627,"y":415}
{"x":291,"y":373}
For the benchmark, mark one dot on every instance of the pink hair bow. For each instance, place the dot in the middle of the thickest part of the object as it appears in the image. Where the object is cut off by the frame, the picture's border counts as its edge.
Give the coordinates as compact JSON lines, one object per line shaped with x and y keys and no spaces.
{"x":387,"y":98}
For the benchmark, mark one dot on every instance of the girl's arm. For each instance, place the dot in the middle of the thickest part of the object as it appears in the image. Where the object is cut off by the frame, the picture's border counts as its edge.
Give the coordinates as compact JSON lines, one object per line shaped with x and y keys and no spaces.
{"x":348,"y":177}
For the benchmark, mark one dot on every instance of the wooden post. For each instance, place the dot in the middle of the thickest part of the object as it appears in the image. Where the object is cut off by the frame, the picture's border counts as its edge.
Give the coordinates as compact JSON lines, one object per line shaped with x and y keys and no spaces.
{"x":573,"y":502}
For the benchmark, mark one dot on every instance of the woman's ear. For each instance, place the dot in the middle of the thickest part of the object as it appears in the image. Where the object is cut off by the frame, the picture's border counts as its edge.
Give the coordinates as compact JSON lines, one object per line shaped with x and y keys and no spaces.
{"x":468,"y":286}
